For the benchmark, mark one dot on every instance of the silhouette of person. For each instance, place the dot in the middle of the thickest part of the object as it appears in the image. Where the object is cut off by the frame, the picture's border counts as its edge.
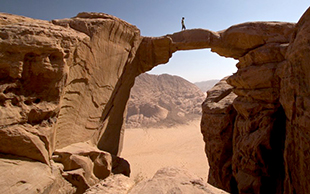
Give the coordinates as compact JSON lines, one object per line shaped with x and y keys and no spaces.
{"x":183,"y":24}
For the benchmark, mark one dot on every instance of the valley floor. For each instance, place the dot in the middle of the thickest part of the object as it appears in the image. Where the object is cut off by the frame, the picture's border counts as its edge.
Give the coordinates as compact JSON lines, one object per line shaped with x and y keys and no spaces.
{"x":148,"y":150}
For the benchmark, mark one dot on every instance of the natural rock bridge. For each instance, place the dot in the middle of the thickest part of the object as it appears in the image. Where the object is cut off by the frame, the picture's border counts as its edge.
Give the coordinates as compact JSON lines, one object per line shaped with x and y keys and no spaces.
{"x":68,"y":81}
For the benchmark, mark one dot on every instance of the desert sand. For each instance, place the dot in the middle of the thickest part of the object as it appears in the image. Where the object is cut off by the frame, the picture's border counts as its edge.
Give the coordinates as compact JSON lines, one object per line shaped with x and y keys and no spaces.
{"x":148,"y":150}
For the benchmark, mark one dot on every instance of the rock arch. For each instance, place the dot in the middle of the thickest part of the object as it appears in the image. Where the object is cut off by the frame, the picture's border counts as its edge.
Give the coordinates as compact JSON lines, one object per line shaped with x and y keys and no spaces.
{"x":260,"y":48}
{"x":98,"y":58}
{"x":234,"y":42}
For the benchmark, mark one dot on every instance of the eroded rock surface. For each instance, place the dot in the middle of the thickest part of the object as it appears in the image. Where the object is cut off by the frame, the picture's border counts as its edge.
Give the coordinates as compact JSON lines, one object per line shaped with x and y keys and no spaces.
{"x":61,"y":82}
{"x":22,"y":175}
{"x":95,"y":75}
{"x":162,"y":101}
{"x":83,"y":164}
{"x":294,"y":97}
{"x":68,"y":81}
{"x":118,"y":183}
{"x":266,"y":147}
{"x":172,"y":180}
{"x":217,"y":125}
{"x":33,"y":68}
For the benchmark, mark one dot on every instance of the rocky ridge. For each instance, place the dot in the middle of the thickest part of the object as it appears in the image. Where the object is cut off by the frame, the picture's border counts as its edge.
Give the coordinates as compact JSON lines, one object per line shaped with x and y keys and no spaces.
{"x":204,"y":86}
{"x":67,"y":82}
{"x":162,"y":101}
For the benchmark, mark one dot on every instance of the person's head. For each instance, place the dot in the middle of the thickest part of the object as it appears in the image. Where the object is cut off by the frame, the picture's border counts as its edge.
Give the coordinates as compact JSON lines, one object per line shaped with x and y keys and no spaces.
{"x":183,"y":18}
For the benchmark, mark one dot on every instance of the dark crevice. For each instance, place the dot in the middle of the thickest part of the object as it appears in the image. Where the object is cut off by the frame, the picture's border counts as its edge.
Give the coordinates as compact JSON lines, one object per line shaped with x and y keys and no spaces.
{"x":36,"y":101}
{"x":82,"y":80}
{"x":274,"y":157}
{"x":28,"y":102}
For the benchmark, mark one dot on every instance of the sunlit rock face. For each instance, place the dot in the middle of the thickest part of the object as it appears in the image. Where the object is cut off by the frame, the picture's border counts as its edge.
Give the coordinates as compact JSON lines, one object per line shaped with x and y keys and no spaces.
{"x":61,"y":82}
{"x":263,"y":146}
{"x":68,"y":81}
{"x":59,"y":77}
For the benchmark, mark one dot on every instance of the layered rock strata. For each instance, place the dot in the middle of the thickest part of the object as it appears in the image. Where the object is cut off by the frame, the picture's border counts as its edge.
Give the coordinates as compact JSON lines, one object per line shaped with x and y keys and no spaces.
{"x":68,"y":81}
{"x":217,"y":127}
{"x":61,"y":82}
{"x":263,"y":148}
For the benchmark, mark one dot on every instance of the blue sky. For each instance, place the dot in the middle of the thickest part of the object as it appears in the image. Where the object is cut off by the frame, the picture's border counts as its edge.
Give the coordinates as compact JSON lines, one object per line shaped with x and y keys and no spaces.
{"x":161,"y":17}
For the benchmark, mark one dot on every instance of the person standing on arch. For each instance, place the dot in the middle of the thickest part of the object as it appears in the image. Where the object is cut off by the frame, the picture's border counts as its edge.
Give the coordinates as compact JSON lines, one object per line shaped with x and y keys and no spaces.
{"x":183,"y":24}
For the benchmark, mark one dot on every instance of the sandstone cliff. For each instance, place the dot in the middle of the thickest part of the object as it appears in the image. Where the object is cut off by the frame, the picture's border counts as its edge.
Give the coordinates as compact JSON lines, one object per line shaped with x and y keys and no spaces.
{"x":162,"y":101}
{"x":261,"y":143}
{"x":64,"y":87}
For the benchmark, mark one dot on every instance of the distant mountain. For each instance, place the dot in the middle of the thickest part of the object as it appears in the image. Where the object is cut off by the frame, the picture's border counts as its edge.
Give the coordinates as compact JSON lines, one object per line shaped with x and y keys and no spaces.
{"x":163,"y":100}
{"x":206,"y":85}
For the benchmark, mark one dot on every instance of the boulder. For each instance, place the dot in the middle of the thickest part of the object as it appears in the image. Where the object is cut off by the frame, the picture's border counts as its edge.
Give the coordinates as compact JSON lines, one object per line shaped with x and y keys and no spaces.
{"x":172,"y":180}
{"x":22,"y":175}
{"x":120,"y":166}
{"x":83,"y":165}
{"x":239,"y":39}
{"x":20,"y":140}
{"x":118,"y":183}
